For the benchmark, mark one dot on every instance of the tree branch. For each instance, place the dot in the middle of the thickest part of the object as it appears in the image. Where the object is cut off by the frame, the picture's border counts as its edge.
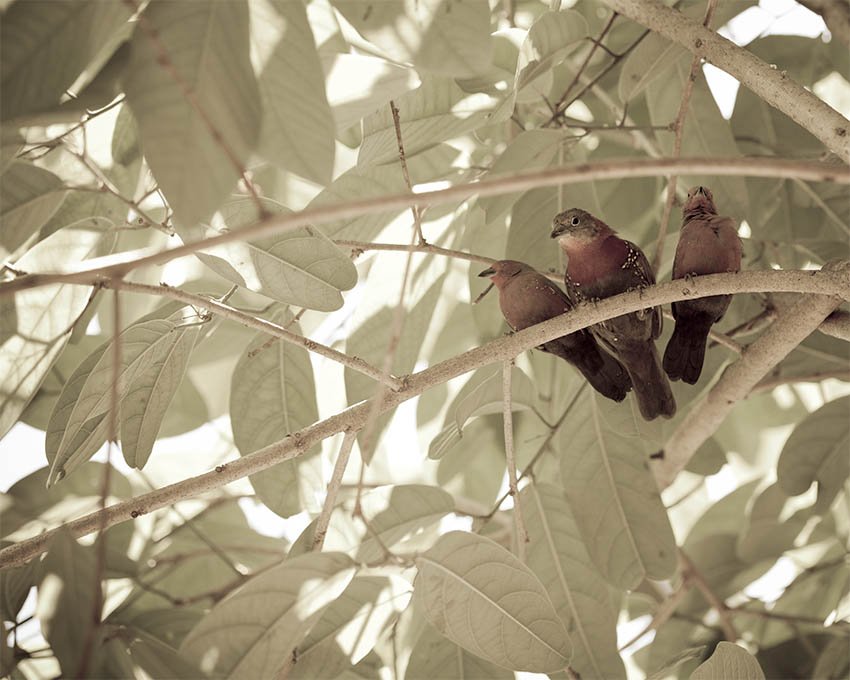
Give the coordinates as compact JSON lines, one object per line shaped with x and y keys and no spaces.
{"x":770,"y":84}
{"x":739,"y":379}
{"x":228,"y":312}
{"x":835,"y":282}
{"x":693,"y":575}
{"x":324,"y":521}
{"x":118,"y":265}
{"x":508,"y":421}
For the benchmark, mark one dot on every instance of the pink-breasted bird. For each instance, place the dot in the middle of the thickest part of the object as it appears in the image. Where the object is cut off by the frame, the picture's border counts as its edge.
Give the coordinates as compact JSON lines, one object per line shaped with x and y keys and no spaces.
{"x":601,"y":264}
{"x":526,"y":298}
{"x":708,"y":244}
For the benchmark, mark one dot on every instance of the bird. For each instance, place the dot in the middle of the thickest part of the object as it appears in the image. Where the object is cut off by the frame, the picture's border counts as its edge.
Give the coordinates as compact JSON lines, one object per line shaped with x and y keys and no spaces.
{"x":708,"y":244}
{"x":526,"y":298}
{"x":601,"y":264}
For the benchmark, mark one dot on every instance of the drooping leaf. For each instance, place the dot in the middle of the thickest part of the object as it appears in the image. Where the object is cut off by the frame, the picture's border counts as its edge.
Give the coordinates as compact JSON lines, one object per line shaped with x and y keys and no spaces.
{"x":156,"y":658}
{"x":437,"y":657}
{"x":29,"y":195}
{"x":272,"y":395}
{"x":816,"y":451}
{"x":613,"y":495}
{"x":551,"y":37}
{"x":248,"y":634}
{"x":484,"y":599}
{"x":67,"y":595}
{"x":298,"y":127}
{"x":558,"y":556}
{"x":206,"y":47}
{"x":729,"y":661}
{"x":300,"y":266}
{"x":446,"y":37}
{"x":46,"y":46}
{"x":37,"y":322}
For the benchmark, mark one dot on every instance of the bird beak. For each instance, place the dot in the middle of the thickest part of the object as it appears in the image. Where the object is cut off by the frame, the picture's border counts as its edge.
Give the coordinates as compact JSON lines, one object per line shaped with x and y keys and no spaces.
{"x":488,"y":272}
{"x":557,"y":230}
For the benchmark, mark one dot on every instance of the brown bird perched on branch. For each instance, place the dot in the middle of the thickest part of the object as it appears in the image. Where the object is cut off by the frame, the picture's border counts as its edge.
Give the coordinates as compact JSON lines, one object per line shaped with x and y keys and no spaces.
{"x":708,"y":244}
{"x":526,"y":298}
{"x":599,"y":265}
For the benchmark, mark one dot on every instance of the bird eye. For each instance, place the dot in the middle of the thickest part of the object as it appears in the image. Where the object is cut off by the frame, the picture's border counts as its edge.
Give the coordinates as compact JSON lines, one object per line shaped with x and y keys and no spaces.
{"x":574,"y":221}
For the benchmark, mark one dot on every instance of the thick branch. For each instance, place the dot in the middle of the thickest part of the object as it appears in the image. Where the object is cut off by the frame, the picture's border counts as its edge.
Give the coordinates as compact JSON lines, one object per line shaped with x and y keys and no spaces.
{"x":788,"y":331}
{"x":823,"y":283}
{"x":118,"y":265}
{"x":770,"y":84}
{"x":228,"y":312}
{"x":837,"y":325}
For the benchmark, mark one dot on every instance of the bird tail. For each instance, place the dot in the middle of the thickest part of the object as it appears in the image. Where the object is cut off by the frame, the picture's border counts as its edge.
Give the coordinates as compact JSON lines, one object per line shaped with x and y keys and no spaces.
{"x":604,"y":373}
{"x":685,"y":353}
{"x":652,"y":390}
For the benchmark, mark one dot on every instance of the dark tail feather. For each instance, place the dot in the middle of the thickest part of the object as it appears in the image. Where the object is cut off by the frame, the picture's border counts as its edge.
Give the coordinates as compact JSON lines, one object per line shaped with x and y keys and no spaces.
{"x":685,"y":353}
{"x":652,"y":390}
{"x":605,"y":374}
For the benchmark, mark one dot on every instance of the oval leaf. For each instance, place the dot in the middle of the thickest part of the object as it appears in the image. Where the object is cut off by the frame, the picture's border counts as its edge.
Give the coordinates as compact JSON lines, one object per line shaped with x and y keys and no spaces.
{"x":436,"y":657}
{"x":207,"y":47}
{"x":249,"y":633}
{"x":484,"y":599}
{"x":727,"y":662}
{"x":29,"y":196}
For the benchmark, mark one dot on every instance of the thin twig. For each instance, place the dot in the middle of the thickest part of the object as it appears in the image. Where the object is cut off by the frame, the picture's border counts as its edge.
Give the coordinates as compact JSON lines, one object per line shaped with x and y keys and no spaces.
{"x":826,"y":283}
{"x":414,"y":209}
{"x":418,"y":248}
{"x":770,"y":383}
{"x":228,"y":312}
{"x":590,"y":53}
{"x":521,"y":534}
{"x":163,"y":58}
{"x":662,"y":614}
{"x":98,"y":269}
{"x":333,"y":488}
{"x":679,"y":130}
{"x":693,"y":575}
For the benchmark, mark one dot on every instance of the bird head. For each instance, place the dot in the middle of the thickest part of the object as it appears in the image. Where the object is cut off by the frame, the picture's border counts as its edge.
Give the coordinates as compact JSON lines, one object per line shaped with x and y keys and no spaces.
{"x":576,"y":226}
{"x":504,"y":270}
{"x":700,"y":200}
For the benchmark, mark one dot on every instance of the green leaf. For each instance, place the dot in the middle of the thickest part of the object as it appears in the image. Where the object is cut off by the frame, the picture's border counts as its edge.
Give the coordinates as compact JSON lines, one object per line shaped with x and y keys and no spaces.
{"x":434,"y":656}
{"x":29,"y":196}
{"x":248,"y":634}
{"x":358,"y":84}
{"x":724,"y":517}
{"x":147,"y":399}
{"x":558,"y":556}
{"x":37,"y":322}
{"x":680,"y":659}
{"x":816,"y":451}
{"x":834,"y":660}
{"x":764,"y":535}
{"x":474,"y":466}
{"x":351,"y":626}
{"x":125,"y":138}
{"x":15,"y":585}
{"x":551,"y":37}
{"x":613,"y":495}
{"x":445,"y":37}
{"x":653,"y":57}
{"x":298,"y":128}
{"x":153,"y":656}
{"x":484,"y":599}
{"x":207,"y":48}
{"x":436,"y":111}
{"x":67,"y":595}
{"x":299,"y":266}
{"x":44,"y":46}
{"x":708,"y":460}
{"x":729,"y":661}
{"x":272,"y":394}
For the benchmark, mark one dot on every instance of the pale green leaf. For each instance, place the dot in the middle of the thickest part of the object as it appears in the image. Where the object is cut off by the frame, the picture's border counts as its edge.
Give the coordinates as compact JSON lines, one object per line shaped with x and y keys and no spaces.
{"x":207,"y":47}
{"x":834,"y":660}
{"x":488,"y":397}
{"x":446,"y":37}
{"x":298,"y":128}
{"x":434,"y":656}
{"x":724,"y":516}
{"x":37,"y":322}
{"x":764,"y":535}
{"x":358,"y":84}
{"x":680,"y":659}
{"x":147,"y":399}
{"x":272,"y":394}
{"x":551,"y":37}
{"x":125,"y":138}
{"x":653,"y":56}
{"x":248,"y":634}
{"x":729,"y":662}
{"x":558,"y":556}
{"x":816,"y":451}
{"x":484,"y":599}
{"x":29,"y":196}
{"x":15,"y":585}
{"x":67,"y":595}
{"x":708,"y":459}
{"x":156,"y":658}
{"x":436,"y":111}
{"x":44,"y":46}
{"x":351,"y":626}
{"x":299,"y":266}
{"x":473,"y":467}
{"x":613,"y":495}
